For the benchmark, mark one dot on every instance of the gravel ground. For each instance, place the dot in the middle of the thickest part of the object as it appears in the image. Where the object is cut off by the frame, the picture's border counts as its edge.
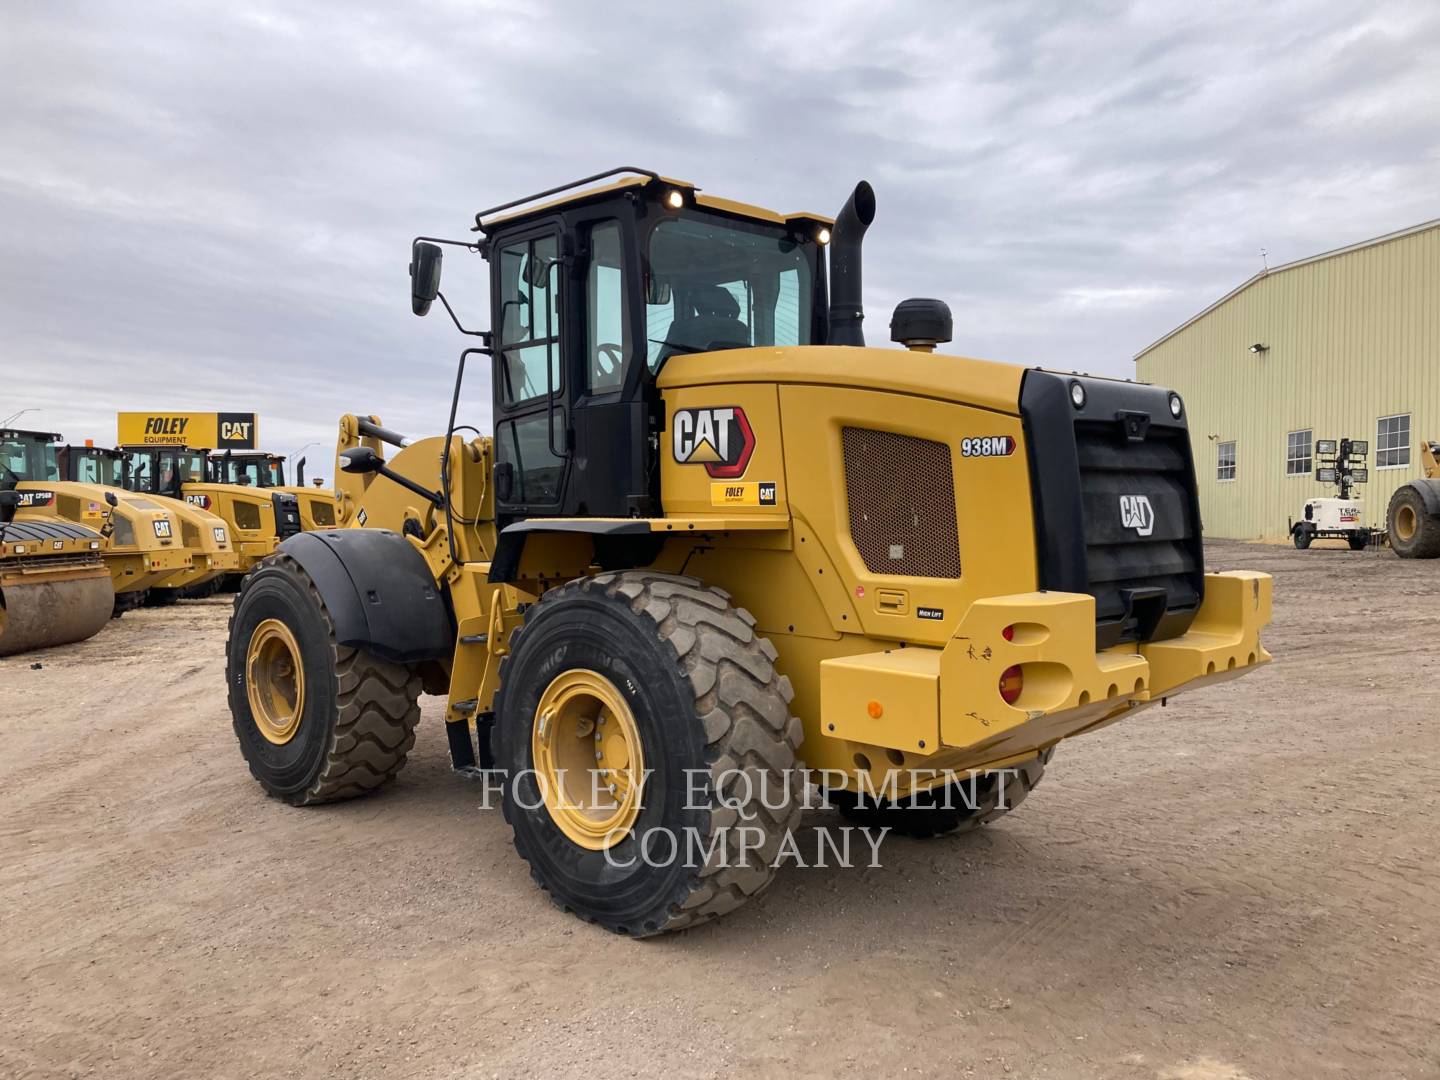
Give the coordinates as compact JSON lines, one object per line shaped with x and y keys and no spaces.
{"x":1244,"y":884}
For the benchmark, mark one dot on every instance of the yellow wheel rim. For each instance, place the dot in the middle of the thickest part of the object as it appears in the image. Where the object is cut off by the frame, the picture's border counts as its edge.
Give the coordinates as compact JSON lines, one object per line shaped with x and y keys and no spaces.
{"x":1406,"y":523}
{"x":588,"y":758}
{"x":275,"y":681}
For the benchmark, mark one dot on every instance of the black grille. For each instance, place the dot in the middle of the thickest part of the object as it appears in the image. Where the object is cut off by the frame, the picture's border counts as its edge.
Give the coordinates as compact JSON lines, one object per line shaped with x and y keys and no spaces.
{"x":287,"y":514}
{"x":1116,"y":513}
{"x":1118,"y":558}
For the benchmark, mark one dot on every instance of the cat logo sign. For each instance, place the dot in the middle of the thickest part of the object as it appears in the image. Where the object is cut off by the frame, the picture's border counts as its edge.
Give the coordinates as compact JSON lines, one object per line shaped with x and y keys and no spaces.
{"x":720,"y":439}
{"x":198,"y":431}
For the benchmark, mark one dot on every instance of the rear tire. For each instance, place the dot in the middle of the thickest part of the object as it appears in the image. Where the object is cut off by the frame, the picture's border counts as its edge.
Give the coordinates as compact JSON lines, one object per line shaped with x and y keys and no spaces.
{"x":1414,"y":532}
{"x":949,"y":810}
{"x":715,"y":734}
{"x":356,"y":712}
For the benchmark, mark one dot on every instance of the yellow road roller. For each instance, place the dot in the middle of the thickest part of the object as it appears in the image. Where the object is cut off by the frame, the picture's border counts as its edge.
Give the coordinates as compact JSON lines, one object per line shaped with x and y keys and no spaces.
{"x":54,"y":587}
{"x":142,"y":540}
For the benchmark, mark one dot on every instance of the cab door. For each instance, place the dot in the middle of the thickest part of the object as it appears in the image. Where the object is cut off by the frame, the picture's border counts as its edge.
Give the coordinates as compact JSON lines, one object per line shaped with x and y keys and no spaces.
{"x":531,"y":432}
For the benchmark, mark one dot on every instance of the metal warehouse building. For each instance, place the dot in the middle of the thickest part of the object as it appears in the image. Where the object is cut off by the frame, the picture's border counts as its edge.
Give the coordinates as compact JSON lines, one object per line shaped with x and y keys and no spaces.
{"x":1344,"y":344}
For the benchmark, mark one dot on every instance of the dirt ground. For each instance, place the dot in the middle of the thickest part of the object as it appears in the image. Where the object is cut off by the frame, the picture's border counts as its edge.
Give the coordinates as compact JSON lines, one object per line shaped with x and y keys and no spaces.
{"x":1245,"y":884}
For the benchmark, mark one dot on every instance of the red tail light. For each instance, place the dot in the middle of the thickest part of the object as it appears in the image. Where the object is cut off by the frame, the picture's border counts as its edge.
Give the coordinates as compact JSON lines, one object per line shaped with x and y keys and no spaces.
{"x":1008,"y":633}
{"x":1011,"y":683}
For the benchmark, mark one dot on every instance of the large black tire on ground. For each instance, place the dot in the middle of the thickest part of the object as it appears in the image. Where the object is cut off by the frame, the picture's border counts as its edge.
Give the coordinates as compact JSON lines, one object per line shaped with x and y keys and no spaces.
{"x":358,"y":719}
{"x":128,"y":601}
{"x":1302,"y":537}
{"x":951,"y":809}
{"x":202,"y":590}
{"x":1358,"y":541}
{"x":1424,"y":540}
{"x":713,"y":717}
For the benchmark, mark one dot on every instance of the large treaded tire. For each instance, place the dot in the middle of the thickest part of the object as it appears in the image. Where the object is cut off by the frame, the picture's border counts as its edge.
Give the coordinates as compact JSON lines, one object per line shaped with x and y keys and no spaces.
{"x":715,"y":725}
{"x":358,"y":720}
{"x":946,"y":811}
{"x":1425,"y":543}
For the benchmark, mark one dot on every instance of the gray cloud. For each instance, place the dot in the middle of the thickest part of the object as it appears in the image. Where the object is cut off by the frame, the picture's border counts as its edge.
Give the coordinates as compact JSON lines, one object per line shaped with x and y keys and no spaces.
{"x":211,"y":208}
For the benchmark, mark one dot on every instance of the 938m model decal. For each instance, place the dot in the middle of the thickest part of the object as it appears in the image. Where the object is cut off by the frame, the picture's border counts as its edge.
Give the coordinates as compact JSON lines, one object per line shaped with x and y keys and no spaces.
{"x":718,"y":438}
{"x":987,"y":446}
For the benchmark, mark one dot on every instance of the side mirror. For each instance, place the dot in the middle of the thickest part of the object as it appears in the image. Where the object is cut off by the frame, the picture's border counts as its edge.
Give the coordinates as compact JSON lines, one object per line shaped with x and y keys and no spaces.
{"x":425,"y":261}
{"x":111,"y":499}
{"x":9,"y":503}
{"x":360,"y":459}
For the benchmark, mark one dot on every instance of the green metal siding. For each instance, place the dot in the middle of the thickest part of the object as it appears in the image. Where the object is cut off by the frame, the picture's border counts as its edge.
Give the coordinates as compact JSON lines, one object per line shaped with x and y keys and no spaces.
{"x":1352,"y":337}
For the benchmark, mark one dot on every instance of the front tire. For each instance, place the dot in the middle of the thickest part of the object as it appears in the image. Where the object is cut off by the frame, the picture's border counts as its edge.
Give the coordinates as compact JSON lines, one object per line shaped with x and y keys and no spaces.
{"x":316,"y":721}
{"x":681,"y":669}
{"x":1414,"y":533}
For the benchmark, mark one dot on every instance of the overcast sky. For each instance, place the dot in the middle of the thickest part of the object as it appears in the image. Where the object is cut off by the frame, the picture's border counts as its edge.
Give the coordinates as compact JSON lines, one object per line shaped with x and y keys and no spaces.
{"x":210,"y":206}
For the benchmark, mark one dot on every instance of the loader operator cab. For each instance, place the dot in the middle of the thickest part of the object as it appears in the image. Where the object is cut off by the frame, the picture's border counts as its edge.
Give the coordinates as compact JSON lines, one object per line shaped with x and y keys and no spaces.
{"x":591,"y":295}
{"x":258,"y":470}
{"x":94,"y":465}
{"x":166,"y":470}
{"x":27,"y":455}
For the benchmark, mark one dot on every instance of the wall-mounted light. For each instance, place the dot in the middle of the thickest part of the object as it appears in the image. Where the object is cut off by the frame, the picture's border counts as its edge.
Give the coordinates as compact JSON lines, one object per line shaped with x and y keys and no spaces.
{"x":1259,"y":348}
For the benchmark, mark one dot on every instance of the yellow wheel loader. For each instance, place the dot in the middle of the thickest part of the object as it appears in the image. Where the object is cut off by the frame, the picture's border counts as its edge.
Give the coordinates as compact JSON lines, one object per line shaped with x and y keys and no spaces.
{"x":205,"y":536}
{"x":257,"y":469}
{"x":54,"y":587}
{"x":714,"y":535}
{"x":1413,"y":519}
{"x":256,"y":520}
{"x":141,"y":541}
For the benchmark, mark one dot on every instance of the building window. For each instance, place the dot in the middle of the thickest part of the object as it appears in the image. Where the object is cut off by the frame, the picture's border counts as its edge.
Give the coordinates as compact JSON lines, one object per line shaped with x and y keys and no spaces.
{"x":1225,"y":461}
{"x":1392,"y":442}
{"x":1297,"y":453}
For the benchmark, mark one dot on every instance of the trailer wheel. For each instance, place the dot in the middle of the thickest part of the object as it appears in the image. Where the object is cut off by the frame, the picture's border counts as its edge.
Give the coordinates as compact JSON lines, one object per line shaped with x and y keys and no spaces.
{"x":953,"y":809}
{"x":317,"y":722}
{"x":649,"y":751}
{"x":1302,"y":537}
{"x":1414,"y":532}
{"x":1358,"y":541}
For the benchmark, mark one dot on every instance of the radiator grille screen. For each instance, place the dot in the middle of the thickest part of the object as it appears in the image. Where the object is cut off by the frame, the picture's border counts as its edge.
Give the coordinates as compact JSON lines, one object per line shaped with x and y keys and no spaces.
{"x":901,"y":494}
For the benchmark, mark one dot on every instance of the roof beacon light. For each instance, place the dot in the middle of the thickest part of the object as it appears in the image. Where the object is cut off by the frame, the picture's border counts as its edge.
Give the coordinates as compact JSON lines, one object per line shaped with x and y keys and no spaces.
{"x":674,"y":199}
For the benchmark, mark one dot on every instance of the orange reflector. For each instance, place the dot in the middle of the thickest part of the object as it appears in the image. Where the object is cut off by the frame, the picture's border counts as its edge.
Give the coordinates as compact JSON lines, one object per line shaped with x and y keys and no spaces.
{"x":875,"y":709}
{"x":1008,"y":633}
{"x":1011,"y":683}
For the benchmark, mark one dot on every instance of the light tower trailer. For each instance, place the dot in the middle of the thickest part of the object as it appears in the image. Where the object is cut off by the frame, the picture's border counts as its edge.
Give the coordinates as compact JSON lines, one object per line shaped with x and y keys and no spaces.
{"x":1342,"y":518}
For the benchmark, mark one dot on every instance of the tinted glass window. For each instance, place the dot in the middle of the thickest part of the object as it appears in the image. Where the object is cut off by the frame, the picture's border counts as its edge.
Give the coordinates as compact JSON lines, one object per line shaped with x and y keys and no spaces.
{"x":716,"y":286}
{"x":606,"y":346}
{"x":23,"y":458}
{"x":529,"y":319}
{"x":525,"y":445}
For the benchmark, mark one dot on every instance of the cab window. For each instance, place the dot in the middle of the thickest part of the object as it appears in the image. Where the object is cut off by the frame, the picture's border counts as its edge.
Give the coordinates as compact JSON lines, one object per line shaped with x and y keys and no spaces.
{"x":525,"y":445}
{"x":606,"y":346}
{"x":529,"y":319}
{"x":712,"y":285}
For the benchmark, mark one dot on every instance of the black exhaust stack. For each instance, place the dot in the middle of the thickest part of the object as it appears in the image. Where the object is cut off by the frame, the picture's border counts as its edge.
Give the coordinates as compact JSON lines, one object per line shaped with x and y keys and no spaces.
{"x":846,"y":309}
